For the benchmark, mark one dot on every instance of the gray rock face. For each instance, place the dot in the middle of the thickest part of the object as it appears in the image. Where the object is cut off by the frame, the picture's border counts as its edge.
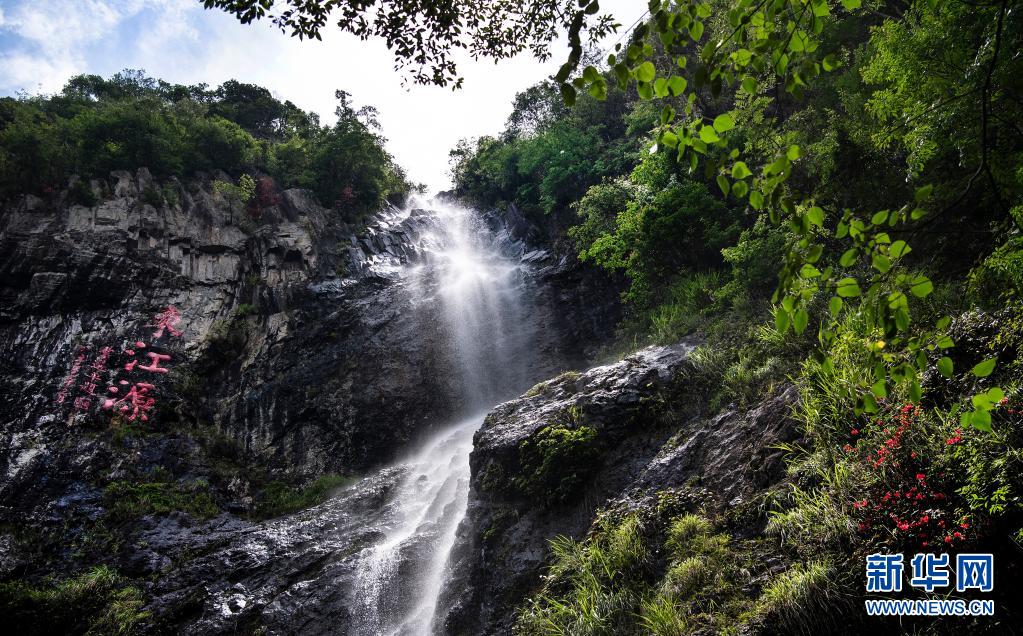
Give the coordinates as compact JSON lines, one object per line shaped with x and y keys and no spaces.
{"x":649,"y":435}
{"x":302,"y":342}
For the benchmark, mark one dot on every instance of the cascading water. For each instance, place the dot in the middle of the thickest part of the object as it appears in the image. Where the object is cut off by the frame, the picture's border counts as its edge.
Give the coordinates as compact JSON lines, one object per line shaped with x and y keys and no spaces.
{"x":475,"y":276}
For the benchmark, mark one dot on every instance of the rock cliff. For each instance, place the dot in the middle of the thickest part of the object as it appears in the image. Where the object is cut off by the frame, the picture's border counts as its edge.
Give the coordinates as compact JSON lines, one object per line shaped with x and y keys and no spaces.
{"x":293,"y":347}
{"x":614,"y":436}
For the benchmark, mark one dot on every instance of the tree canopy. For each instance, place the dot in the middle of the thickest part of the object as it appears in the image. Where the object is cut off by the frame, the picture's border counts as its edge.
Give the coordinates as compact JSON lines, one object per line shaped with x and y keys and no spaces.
{"x":96,"y":125}
{"x":425,"y":34}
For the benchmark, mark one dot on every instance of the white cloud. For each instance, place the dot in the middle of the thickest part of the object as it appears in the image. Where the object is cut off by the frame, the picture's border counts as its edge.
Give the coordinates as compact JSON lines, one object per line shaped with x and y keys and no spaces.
{"x":53,"y":39}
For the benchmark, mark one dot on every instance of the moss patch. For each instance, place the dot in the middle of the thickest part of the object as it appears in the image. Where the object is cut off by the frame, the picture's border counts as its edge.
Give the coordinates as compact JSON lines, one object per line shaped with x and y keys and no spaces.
{"x":556,"y":462}
{"x":279,"y":498}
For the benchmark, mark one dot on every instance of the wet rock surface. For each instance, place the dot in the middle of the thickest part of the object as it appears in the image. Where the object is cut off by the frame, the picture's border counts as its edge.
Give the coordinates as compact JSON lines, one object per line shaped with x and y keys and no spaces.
{"x":305,"y":348}
{"x":650,"y":435}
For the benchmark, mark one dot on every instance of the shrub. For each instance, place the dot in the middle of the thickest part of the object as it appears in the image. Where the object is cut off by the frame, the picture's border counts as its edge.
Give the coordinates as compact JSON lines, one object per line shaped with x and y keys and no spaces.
{"x":170,"y":194}
{"x":278,"y":498}
{"x":96,"y":602}
{"x":152,"y":196}
{"x":683,"y":312}
{"x":905,"y":500}
{"x":802,"y":599}
{"x":592,"y":588}
{"x":128,"y":500}
{"x":1000,"y":276}
{"x":80,"y":193}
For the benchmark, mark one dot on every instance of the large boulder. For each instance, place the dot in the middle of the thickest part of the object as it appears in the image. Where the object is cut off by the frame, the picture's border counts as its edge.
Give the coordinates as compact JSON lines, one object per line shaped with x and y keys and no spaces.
{"x":543,"y":464}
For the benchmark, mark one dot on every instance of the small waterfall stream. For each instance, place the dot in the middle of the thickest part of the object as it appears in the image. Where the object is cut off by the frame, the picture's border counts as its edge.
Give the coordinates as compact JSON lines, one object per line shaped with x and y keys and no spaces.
{"x":475,"y":276}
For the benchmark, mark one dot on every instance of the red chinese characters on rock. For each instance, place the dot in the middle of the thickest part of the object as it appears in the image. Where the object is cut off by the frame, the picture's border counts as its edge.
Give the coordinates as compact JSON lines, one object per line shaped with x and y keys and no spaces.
{"x":135,"y":404}
{"x":72,"y":375}
{"x":166,"y":320}
{"x":98,"y":367}
{"x":132,"y":398}
{"x":155,"y":360}
{"x":138,"y":401}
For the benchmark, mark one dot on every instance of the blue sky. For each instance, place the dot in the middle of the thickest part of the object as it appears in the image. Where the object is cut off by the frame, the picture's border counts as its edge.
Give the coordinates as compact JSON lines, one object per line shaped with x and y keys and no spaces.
{"x":44,"y":42}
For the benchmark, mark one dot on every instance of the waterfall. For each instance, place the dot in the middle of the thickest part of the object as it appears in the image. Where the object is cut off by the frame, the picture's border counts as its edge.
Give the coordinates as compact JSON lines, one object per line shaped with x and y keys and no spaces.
{"x":473,"y":274}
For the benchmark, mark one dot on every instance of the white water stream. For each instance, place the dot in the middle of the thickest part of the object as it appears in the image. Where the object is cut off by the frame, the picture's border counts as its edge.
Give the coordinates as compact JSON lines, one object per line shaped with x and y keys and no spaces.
{"x":475,"y":276}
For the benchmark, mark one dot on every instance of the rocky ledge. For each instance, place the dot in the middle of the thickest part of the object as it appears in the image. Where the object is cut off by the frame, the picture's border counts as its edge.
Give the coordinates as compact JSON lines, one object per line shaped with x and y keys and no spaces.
{"x":614,"y":436}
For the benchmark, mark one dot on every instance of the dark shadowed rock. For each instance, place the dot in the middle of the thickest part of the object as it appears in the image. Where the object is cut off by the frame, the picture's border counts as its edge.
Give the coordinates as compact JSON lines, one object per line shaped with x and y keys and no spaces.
{"x":650,"y":434}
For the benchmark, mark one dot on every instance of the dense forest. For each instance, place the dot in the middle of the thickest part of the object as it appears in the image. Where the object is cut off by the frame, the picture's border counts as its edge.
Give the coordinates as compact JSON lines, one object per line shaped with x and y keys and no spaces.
{"x":96,"y":125}
{"x":903,"y":132}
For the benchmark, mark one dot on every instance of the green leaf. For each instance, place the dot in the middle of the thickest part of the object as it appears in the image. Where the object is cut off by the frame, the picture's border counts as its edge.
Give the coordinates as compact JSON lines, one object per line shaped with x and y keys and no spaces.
{"x":899,"y":248}
{"x":808,"y":270}
{"x":881,"y":262}
{"x":707,"y":135}
{"x":724,"y":123}
{"x":645,"y":72}
{"x":696,"y":30}
{"x":830,"y":62}
{"x":915,"y":392}
{"x":740,"y":170}
{"x":835,"y":305}
{"x":879,"y":389}
{"x":667,"y":114}
{"x":869,"y":403}
{"x":799,"y":41}
{"x":800,"y":320}
{"x":723,"y":184}
{"x":676,"y":85}
{"x":879,"y":217}
{"x":945,"y":342}
{"x":816,"y":216}
{"x":568,"y":94}
{"x":945,"y":367}
{"x":756,"y":199}
{"x":848,"y":288}
{"x":739,"y":189}
{"x":921,"y":287}
{"x":902,"y":319}
{"x":793,"y":153}
{"x":984,"y":369}
{"x":661,"y":87}
{"x":848,"y":257}
{"x":923,"y":193}
{"x":749,"y":85}
{"x":980,"y":420}
{"x":781,"y":319}
{"x":851,"y":4}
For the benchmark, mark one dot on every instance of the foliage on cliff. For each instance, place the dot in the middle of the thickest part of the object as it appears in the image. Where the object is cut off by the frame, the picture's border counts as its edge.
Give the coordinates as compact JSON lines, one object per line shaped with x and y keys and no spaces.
{"x":96,"y":125}
{"x":831,"y":192}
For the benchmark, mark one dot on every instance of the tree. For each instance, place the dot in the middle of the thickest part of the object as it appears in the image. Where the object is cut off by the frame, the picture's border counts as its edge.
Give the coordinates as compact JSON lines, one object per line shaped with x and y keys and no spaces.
{"x":424,"y":34}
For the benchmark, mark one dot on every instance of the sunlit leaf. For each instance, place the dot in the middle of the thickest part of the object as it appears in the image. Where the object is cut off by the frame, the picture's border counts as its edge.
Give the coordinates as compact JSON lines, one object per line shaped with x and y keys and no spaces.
{"x":984,"y":369}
